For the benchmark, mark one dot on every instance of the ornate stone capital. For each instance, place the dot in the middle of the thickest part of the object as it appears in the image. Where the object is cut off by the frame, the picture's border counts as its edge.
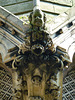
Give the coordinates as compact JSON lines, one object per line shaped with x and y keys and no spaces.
{"x":38,"y":68}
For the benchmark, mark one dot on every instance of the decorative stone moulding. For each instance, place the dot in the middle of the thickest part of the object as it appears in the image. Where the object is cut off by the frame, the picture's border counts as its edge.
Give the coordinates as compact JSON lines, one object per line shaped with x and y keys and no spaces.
{"x":38,"y":68}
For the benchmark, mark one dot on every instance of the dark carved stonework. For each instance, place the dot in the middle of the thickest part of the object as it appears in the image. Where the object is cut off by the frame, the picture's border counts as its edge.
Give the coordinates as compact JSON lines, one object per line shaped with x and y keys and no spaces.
{"x":37,"y":71}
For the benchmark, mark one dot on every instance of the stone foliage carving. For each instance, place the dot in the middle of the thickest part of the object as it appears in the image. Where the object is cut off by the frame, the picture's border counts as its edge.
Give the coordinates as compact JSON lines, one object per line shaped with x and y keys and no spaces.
{"x":38,"y":68}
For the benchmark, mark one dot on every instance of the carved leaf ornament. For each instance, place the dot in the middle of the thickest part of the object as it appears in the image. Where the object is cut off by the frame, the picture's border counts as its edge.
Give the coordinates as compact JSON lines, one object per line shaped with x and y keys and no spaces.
{"x":38,"y":69}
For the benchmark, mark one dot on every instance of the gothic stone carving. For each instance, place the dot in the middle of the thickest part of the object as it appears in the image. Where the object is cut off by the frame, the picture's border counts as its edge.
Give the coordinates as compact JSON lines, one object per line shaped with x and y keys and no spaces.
{"x":37,"y":18}
{"x":38,"y":68}
{"x":36,"y":75}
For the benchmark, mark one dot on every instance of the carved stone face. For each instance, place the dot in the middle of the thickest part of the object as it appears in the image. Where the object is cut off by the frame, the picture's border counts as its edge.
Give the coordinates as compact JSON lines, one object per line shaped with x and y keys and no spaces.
{"x":37,"y":80}
{"x":37,"y":18}
{"x":40,"y":85}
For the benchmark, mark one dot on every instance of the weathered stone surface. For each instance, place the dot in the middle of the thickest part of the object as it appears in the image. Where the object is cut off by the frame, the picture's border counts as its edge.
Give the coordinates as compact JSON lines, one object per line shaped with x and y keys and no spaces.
{"x":50,"y":17}
{"x":62,"y":2}
{"x":3,"y":51}
{"x":3,"y":13}
{"x":65,"y":44}
{"x":28,"y":6}
{"x":69,"y":45}
{"x":71,"y":12}
{"x":10,"y":2}
{"x":5,"y":46}
{"x":52,"y":82}
{"x":6,"y":43}
{"x":47,"y":6}
{"x":39,"y":66}
{"x":60,"y":9}
{"x":22,"y":7}
{"x":61,"y":20}
{"x":54,"y":25}
{"x":54,"y":8}
{"x":13,"y":20}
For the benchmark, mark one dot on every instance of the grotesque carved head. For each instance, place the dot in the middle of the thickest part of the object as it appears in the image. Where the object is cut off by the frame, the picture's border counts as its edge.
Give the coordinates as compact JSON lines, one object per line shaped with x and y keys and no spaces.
{"x":37,"y":18}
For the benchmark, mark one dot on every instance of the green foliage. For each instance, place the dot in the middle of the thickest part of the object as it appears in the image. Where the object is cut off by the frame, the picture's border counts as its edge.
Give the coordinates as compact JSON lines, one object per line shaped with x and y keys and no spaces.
{"x":24,"y":19}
